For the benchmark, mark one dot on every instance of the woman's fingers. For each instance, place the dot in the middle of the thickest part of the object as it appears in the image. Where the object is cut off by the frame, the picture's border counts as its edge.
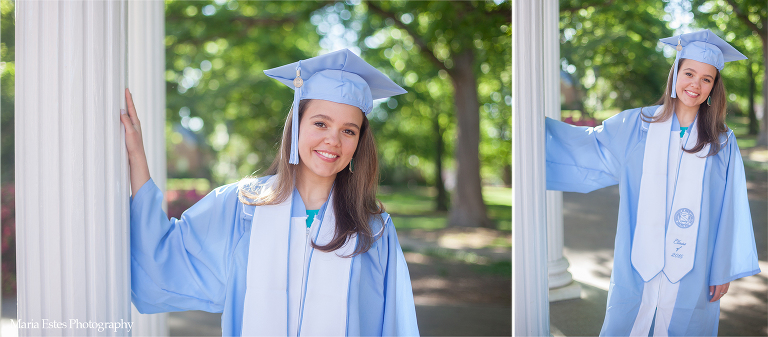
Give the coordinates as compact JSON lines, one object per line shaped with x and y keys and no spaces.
{"x":126,"y":120}
{"x":717,"y":292}
{"x":137,"y":159}
{"x":131,"y":108}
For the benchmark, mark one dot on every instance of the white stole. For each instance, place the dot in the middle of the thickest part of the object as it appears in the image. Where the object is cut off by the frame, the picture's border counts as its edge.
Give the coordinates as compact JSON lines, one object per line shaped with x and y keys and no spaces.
{"x":653,"y":250}
{"x":265,"y":310}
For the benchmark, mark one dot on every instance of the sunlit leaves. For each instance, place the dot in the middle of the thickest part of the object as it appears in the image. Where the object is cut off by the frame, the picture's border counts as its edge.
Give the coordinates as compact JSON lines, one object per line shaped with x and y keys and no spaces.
{"x":216,"y":53}
{"x":7,"y":82}
{"x":720,"y":17}
{"x":427,"y":110}
{"x":612,"y":52}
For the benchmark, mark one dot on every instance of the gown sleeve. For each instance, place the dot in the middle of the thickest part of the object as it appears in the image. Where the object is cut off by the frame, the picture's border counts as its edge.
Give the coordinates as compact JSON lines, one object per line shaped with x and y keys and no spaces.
{"x":399,"y":309}
{"x":735,"y":254}
{"x":182,"y":264}
{"x":583,"y":159}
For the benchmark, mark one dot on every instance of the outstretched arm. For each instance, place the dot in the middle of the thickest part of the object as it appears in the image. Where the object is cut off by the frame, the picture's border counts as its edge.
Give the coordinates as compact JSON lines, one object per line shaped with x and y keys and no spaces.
{"x":583,"y":159}
{"x":578,"y":159}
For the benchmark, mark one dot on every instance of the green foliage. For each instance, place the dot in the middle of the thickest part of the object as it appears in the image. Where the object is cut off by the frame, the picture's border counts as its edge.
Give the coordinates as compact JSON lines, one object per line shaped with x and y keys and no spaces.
{"x":612,"y":51}
{"x":720,"y":17}
{"x":7,"y":79}
{"x":611,"y":48}
{"x":215,"y":56}
{"x":402,"y":37}
{"x":216,"y":52}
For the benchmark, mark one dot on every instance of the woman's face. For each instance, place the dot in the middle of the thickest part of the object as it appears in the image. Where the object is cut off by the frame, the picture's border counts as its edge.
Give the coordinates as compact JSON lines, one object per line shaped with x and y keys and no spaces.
{"x":694,"y":82}
{"x":328,"y":136}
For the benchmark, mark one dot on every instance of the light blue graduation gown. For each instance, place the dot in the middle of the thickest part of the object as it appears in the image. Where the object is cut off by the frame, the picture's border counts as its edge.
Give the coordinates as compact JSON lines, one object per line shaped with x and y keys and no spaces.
{"x":199,"y":262}
{"x":582,"y":159}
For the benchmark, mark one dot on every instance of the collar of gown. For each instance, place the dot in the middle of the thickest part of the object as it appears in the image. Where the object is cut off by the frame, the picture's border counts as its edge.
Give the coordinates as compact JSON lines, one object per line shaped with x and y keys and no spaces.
{"x":298,"y":209}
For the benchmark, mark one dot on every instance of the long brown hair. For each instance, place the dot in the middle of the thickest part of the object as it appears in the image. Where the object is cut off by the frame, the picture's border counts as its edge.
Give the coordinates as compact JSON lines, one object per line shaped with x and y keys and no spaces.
{"x":354,"y":194}
{"x":710,"y":122}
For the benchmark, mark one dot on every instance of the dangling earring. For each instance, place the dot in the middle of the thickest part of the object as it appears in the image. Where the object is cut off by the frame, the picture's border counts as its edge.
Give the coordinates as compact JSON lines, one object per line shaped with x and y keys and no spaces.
{"x":352,"y":165}
{"x":709,"y":100}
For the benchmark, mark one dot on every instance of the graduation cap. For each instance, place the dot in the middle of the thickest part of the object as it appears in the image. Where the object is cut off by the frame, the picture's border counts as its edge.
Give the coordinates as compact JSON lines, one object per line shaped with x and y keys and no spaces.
{"x":340,"y":77}
{"x":703,"y":46}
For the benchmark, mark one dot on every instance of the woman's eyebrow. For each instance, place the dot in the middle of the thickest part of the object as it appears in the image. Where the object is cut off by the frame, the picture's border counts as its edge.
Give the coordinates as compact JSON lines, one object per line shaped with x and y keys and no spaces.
{"x":692,"y":70}
{"x":328,"y":118}
{"x":352,"y":125}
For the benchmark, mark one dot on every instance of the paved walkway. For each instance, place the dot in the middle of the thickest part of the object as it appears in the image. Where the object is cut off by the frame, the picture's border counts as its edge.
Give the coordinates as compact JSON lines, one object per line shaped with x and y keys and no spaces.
{"x":590,"y":229}
{"x":434,"y":320}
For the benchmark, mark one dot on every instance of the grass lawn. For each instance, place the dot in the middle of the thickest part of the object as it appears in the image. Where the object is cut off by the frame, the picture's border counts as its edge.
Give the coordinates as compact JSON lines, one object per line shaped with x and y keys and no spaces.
{"x":740,"y":127}
{"x":414,"y":208}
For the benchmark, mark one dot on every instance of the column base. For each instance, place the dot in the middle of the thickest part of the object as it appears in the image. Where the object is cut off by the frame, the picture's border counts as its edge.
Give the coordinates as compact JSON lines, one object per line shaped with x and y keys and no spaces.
{"x":567,"y":292}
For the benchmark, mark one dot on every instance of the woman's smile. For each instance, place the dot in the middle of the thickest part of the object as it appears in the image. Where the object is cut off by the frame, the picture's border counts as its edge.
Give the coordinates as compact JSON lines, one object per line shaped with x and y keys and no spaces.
{"x":327,"y":156}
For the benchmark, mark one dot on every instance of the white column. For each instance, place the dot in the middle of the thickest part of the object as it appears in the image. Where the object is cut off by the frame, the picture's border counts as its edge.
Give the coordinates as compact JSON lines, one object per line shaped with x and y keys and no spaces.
{"x":561,"y":284}
{"x":530,"y":292}
{"x":71,"y":167}
{"x":146,"y":80}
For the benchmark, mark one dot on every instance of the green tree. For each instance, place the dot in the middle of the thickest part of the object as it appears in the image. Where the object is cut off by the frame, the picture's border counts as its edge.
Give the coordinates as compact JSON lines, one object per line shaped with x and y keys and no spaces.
{"x":611,"y":49}
{"x":7,"y":79}
{"x":743,"y":24}
{"x":215,"y":56}
{"x":216,"y":52}
{"x":430,"y":43}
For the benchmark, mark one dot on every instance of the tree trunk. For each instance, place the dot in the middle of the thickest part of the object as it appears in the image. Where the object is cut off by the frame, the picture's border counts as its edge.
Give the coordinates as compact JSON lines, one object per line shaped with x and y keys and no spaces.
{"x":468,"y":208}
{"x":762,"y":140}
{"x":441,"y":203}
{"x":754,"y":125}
{"x":506,"y":175}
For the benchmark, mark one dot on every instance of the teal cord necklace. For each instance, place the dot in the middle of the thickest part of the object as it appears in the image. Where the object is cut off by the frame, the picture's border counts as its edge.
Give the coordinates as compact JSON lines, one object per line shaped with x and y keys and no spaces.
{"x":311,"y":216}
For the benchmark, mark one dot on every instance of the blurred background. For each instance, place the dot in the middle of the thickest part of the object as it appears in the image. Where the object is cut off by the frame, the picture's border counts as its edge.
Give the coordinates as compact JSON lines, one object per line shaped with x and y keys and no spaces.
{"x":224,"y":119}
{"x":612,"y":60}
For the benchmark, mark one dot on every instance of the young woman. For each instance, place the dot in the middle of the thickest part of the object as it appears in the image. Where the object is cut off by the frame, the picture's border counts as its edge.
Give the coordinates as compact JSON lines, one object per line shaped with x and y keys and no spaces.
{"x":305,"y":250}
{"x":684,"y":228}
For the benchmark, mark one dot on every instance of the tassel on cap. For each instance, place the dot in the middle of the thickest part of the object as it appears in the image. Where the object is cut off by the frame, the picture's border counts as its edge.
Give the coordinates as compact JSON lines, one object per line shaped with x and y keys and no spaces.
{"x":298,"y":83}
{"x":674,"y":75}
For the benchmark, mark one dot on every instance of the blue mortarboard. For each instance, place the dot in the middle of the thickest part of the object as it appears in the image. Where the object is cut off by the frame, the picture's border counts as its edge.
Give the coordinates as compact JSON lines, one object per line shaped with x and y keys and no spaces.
{"x":340,"y":77}
{"x":703,"y":46}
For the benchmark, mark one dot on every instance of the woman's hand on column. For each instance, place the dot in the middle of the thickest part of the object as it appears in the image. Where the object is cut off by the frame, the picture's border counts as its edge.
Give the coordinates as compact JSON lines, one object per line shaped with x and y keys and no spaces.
{"x":718,"y":291}
{"x":137,"y":159}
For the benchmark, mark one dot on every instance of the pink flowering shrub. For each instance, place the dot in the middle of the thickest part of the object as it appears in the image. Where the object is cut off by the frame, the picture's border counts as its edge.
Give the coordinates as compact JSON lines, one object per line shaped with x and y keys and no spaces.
{"x":180,"y":200}
{"x":8,"y":213}
{"x":582,"y":122}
